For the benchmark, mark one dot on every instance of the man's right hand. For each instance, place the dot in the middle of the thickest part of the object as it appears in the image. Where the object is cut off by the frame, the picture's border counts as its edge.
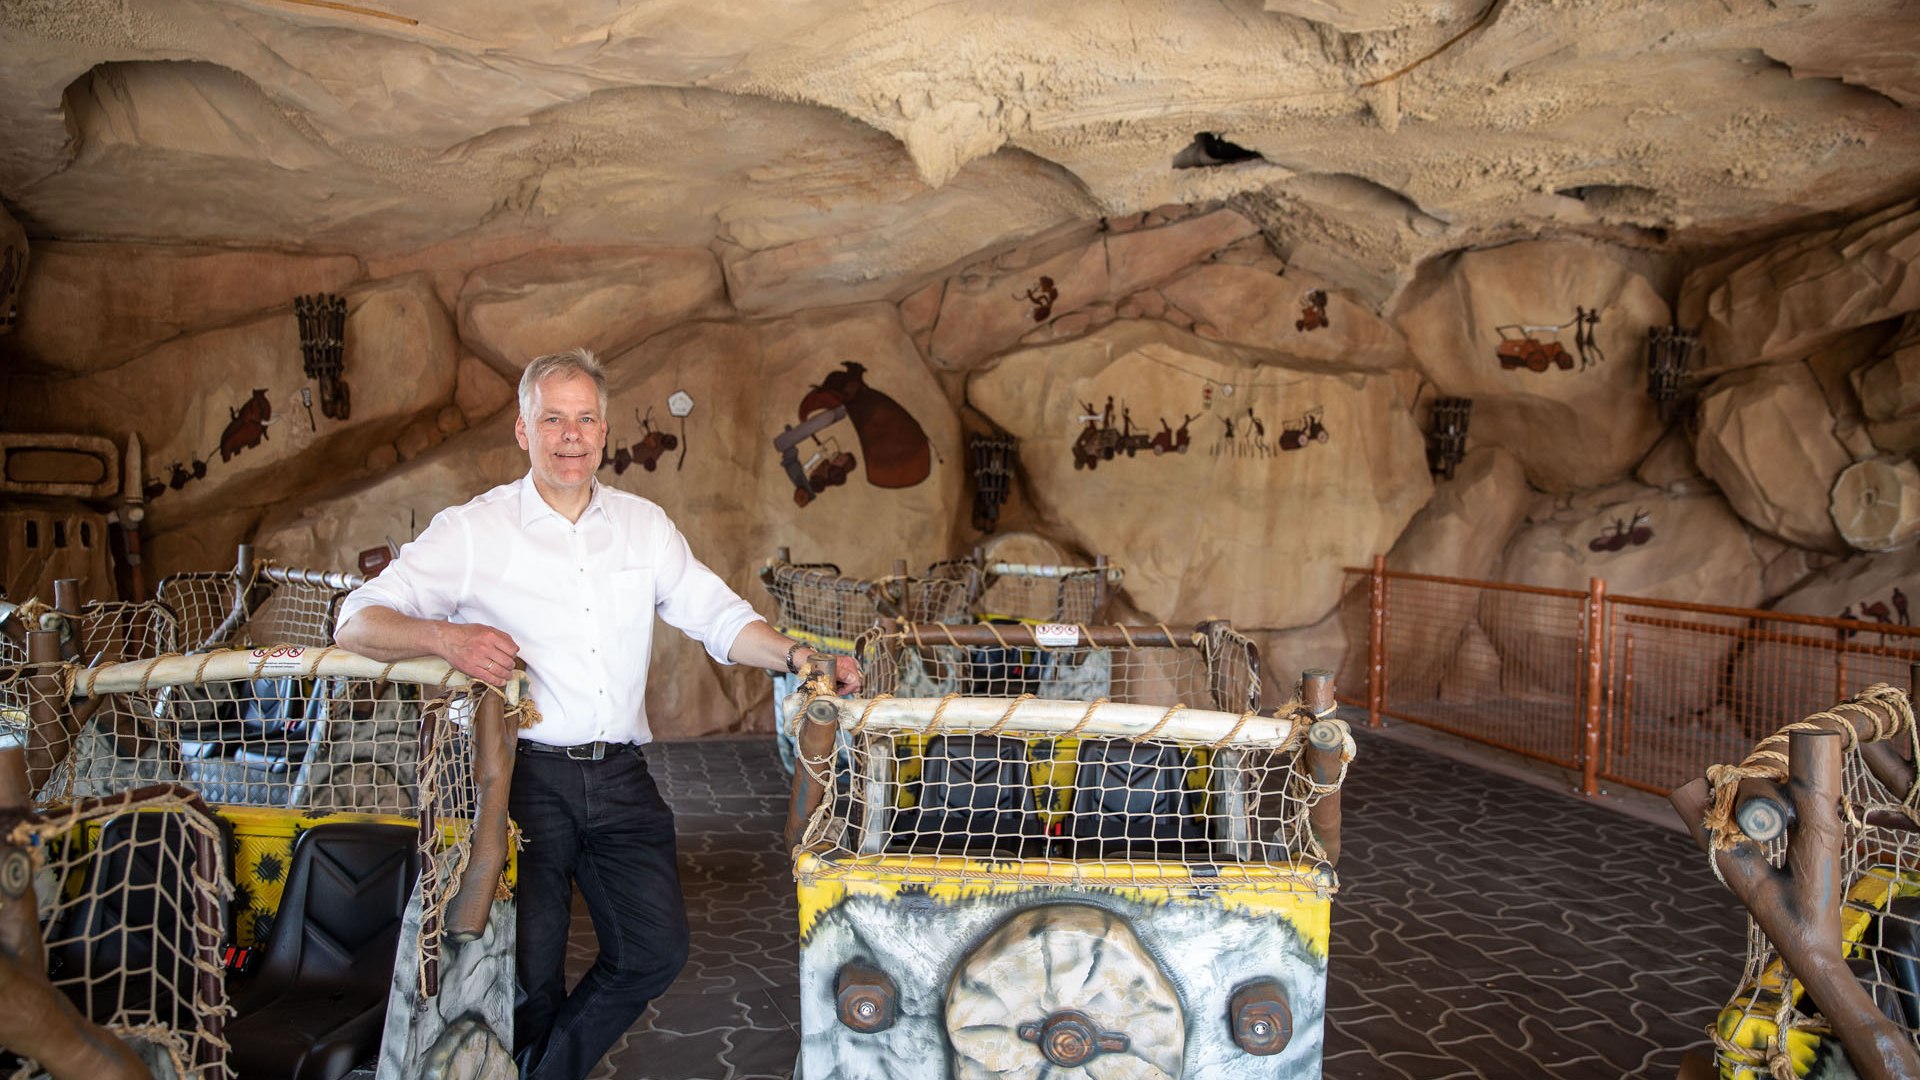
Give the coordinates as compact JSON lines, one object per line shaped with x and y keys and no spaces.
{"x":478,"y":650}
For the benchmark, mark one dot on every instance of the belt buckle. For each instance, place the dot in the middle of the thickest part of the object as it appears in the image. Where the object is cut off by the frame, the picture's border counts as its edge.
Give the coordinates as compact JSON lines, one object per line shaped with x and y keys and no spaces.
{"x":593,"y":751}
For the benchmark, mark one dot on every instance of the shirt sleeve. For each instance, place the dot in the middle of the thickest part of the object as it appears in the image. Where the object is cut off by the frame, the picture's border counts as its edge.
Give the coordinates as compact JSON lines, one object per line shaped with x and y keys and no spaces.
{"x":428,"y":578}
{"x":695,"y":600}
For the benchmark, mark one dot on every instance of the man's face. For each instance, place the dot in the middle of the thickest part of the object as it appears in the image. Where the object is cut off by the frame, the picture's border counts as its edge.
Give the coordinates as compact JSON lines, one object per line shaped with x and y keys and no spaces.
{"x":565,"y":433}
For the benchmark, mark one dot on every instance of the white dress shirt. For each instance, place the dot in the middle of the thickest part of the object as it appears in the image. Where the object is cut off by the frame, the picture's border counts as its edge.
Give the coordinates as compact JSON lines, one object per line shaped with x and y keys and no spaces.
{"x":577,"y":597}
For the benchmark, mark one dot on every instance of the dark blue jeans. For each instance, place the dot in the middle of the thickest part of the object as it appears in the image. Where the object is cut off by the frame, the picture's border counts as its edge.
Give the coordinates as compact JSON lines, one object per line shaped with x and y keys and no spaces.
{"x":602,"y":825}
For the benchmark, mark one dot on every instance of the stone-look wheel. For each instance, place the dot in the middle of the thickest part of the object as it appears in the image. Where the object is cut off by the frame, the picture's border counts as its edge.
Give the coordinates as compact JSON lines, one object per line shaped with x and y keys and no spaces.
{"x":468,"y":1050}
{"x":1060,"y":983}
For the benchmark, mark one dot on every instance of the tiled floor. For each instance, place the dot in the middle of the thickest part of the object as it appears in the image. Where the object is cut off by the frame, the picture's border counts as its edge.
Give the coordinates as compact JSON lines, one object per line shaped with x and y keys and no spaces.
{"x":1485,"y":928}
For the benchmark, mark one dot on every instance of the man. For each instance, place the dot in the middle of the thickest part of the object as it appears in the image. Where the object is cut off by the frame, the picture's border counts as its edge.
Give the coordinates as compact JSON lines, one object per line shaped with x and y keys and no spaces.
{"x":565,"y":575}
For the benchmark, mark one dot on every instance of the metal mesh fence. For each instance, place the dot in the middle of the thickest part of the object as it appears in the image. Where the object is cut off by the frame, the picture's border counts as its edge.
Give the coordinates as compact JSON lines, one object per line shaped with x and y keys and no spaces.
{"x":1500,"y":664}
{"x":1659,"y":691}
{"x":990,"y":755}
{"x":1690,"y":684}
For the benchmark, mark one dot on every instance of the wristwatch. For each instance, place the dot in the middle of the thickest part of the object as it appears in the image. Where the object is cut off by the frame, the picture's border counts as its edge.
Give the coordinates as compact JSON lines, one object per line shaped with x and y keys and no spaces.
{"x":793,"y":668}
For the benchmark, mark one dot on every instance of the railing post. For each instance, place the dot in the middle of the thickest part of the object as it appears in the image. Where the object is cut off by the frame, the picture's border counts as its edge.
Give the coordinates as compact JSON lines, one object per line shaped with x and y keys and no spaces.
{"x":1596,"y":626}
{"x":1377,"y":641}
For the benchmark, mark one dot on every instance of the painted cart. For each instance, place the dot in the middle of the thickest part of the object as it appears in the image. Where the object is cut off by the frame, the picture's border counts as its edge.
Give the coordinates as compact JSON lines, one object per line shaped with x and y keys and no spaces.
{"x":1817,"y":833}
{"x":1061,"y":852}
{"x":280,"y":860}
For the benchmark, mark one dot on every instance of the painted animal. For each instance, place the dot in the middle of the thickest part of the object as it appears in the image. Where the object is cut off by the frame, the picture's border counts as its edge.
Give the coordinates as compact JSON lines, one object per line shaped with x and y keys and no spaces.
{"x":893,"y":442}
{"x":247,"y":427}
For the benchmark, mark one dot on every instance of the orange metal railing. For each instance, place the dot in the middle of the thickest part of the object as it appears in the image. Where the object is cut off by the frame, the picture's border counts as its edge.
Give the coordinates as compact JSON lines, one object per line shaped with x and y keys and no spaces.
{"x":1639,"y":692}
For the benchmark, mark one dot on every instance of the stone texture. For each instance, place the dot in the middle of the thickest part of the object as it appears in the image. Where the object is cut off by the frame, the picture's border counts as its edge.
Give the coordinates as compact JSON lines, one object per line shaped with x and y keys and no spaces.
{"x":1194,"y":529}
{"x":1252,"y":306}
{"x":479,"y":390}
{"x":1855,"y":584}
{"x":1889,"y":388}
{"x":989,"y":306}
{"x":87,"y":307}
{"x":1670,"y":464}
{"x":605,"y":299}
{"x":1789,"y":298}
{"x":1464,"y":530}
{"x":838,"y":149}
{"x":1572,"y":428}
{"x":1766,"y":437}
{"x":1697,"y":548}
{"x":1463,"y":533}
{"x":182,"y":397}
{"x":1876,"y":504}
{"x":731,"y":497}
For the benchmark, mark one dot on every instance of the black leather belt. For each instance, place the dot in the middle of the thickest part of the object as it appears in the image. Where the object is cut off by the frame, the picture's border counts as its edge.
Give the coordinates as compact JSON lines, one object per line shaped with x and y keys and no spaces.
{"x":593,"y":751}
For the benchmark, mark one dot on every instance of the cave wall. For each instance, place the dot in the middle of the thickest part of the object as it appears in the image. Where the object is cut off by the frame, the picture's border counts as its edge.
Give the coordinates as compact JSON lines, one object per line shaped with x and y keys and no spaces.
{"x":1228,"y":427}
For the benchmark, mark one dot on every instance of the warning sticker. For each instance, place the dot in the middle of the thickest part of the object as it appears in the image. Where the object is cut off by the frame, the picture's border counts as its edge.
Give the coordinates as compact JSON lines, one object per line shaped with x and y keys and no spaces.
{"x":279,"y":660}
{"x":1056,"y":635}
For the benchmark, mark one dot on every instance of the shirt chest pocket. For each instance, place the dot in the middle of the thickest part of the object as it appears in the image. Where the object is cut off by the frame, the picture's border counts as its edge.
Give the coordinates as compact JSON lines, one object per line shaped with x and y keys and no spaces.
{"x":631,"y":597}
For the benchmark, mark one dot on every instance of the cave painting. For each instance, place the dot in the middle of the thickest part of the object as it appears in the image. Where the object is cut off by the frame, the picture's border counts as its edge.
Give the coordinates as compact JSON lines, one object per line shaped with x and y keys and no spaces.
{"x":653,"y":443}
{"x":1100,"y":440}
{"x":1885,"y":612}
{"x":1313,"y":311}
{"x":894,"y":444}
{"x":646,"y":451}
{"x":1242,"y":434}
{"x":1538,"y":347}
{"x":1042,"y":296}
{"x":1296,"y":434}
{"x":247,"y":427}
{"x":1620,"y":535}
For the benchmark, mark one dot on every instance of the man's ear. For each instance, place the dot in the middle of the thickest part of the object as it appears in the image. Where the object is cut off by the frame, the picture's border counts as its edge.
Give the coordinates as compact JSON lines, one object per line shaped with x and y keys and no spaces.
{"x":520,"y":431}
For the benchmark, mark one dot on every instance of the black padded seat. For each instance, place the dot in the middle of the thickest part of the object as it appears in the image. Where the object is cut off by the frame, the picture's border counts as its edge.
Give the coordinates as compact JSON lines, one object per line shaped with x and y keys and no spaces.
{"x":1130,"y":798}
{"x":125,"y":945}
{"x":975,"y":799}
{"x":314,"y":1007}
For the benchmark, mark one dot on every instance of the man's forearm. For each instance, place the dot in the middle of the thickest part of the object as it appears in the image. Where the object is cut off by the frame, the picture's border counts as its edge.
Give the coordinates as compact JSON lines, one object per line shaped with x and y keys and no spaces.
{"x":761,"y":646}
{"x":385,"y":634}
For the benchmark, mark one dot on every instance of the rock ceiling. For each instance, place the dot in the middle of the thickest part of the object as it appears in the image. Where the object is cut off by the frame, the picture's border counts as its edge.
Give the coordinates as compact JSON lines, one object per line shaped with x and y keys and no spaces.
{"x":831,"y":151}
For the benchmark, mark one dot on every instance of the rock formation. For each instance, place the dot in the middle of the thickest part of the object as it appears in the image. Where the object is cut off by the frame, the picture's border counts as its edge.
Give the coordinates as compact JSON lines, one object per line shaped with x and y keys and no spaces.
{"x":1212,"y":278}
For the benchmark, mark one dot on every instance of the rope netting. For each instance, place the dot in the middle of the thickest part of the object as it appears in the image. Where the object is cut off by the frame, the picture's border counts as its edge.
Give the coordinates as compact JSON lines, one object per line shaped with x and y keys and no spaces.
{"x":1046,"y":592}
{"x":219,"y":609}
{"x":1214,"y":668}
{"x":818,"y":604}
{"x":131,"y":894}
{"x":321,"y":734}
{"x":311,"y":743}
{"x":1020,"y":761}
{"x":1771,"y":1028}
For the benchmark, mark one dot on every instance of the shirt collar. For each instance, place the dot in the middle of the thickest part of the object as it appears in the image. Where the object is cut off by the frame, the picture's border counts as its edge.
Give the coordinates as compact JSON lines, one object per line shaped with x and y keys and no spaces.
{"x":533,"y":507}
